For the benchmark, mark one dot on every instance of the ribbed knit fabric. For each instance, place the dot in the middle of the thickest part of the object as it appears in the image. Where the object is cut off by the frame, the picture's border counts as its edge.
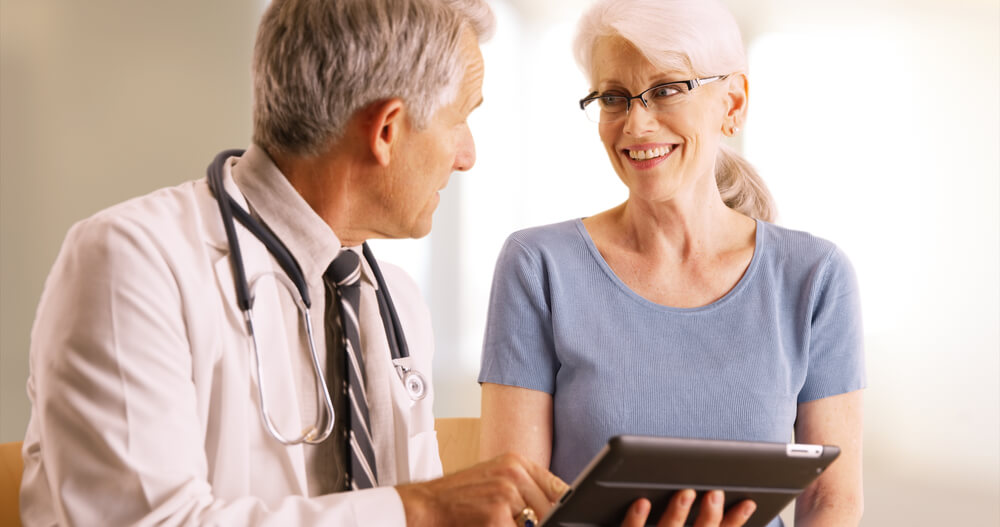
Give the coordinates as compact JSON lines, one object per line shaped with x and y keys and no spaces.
{"x":560,"y":321}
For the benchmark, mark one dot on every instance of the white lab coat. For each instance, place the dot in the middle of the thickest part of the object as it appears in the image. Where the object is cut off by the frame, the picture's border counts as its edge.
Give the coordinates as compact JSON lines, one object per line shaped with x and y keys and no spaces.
{"x":144,"y":399}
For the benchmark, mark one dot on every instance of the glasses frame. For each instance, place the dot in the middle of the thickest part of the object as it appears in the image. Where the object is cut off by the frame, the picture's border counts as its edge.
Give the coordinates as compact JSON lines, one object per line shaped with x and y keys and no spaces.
{"x":689,"y":84}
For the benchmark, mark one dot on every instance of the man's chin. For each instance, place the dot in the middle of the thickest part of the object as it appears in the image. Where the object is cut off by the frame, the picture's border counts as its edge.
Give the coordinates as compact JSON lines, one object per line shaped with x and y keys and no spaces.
{"x":422,"y":224}
{"x":420,"y":230}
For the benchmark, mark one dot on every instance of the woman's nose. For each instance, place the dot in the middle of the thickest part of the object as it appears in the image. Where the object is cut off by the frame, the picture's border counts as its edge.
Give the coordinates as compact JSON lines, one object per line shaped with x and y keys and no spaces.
{"x":639,"y":120}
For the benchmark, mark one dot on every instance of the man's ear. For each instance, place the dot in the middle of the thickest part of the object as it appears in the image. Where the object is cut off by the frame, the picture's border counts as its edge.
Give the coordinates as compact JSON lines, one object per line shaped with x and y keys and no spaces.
{"x":384,"y":125}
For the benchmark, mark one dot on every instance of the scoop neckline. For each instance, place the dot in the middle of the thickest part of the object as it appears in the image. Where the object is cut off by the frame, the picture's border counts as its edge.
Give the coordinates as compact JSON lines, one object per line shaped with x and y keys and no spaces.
{"x":636,"y":297}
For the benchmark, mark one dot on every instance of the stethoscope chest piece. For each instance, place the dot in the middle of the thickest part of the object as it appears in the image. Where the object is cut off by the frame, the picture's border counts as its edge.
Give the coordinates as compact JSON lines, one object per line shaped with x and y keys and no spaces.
{"x":415,"y":385}
{"x":413,"y":381}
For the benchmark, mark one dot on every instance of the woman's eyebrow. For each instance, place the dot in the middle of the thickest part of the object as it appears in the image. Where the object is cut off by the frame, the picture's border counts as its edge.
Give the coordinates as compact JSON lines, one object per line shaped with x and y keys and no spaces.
{"x":663,"y":78}
{"x":669,"y":78}
{"x":611,"y":86}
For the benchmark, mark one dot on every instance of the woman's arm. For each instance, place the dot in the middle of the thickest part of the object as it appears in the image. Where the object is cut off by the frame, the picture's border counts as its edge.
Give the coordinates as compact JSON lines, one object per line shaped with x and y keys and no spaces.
{"x":836,"y":497}
{"x":518,"y":420}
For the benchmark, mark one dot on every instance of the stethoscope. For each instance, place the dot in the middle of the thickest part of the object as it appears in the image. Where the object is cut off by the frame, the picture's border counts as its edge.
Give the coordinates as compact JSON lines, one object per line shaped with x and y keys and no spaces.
{"x":413,"y":381}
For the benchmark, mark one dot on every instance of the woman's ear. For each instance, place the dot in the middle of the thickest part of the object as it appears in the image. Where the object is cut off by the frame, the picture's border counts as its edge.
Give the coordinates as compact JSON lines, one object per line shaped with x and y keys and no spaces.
{"x":383,"y":126}
{"x":737,"y":98}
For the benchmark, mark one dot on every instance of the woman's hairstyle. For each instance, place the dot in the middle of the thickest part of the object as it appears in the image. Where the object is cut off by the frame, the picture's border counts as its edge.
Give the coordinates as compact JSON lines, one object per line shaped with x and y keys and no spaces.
{"x":697,"y":36}
{"x":317,"y":62}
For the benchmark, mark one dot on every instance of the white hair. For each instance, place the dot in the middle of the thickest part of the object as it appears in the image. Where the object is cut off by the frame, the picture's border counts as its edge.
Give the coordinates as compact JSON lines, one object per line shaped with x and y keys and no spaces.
{"x":696,"y":36}
{"x":317,"y":62}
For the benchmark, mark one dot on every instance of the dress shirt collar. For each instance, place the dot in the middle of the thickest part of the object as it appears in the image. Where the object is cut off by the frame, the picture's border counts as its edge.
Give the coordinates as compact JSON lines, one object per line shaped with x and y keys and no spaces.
{"x":273,"y":199}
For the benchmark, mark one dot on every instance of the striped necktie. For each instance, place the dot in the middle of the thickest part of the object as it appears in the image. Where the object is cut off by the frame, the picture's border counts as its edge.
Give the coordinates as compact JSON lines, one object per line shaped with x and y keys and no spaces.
{"x":342,"y":280}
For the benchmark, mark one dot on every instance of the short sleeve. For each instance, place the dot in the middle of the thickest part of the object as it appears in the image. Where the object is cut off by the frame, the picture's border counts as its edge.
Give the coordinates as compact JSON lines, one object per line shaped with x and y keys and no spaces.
{"x":518,"y":347}
{"x":836,"y":336}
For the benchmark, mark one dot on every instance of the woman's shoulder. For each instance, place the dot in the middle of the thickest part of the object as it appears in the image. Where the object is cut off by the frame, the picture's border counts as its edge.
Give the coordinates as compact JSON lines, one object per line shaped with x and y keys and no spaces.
{"x":553,"y":235}
{"x":788,"y":241}
{"x":555,"y":244}
{"x":797,"y":248}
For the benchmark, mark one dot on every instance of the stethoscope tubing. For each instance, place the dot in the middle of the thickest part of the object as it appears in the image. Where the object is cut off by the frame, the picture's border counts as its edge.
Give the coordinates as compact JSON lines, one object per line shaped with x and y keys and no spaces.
{"x":387,"y":310}
{"x":229,"y":210}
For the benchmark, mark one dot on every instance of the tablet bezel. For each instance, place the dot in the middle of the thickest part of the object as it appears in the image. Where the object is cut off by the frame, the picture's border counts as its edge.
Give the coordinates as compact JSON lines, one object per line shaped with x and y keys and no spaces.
{"x":630,"y":467}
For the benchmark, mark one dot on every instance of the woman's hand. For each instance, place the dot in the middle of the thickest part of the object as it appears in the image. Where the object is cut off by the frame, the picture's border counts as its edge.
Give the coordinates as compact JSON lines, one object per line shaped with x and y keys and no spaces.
{"x":711,"y":513}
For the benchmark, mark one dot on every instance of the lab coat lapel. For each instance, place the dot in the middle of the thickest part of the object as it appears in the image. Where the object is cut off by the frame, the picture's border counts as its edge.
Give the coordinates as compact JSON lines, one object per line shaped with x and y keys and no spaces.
{"x":273,"y":342}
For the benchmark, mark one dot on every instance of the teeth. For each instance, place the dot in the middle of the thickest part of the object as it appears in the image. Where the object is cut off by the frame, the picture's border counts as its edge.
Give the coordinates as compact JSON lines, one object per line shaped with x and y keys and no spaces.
{"x":640,"y":155}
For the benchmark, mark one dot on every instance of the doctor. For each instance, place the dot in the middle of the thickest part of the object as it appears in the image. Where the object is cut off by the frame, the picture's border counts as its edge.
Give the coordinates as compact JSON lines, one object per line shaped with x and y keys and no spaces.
{"x":161,"y":394}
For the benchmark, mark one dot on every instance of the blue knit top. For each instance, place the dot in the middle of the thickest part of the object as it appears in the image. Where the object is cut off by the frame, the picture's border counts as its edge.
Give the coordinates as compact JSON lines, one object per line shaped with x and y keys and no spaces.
{"x":561,"y":322}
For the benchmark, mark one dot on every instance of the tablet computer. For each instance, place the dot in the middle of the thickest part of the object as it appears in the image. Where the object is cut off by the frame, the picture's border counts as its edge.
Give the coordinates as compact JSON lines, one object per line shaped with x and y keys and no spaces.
{"x":632,"y":467}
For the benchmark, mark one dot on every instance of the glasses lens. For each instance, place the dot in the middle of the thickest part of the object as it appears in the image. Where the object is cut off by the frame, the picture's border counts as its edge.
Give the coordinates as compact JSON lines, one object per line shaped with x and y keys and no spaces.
{"x":613,"y":103}
{"x":593,"y":111}
{"x":606,"y":108}
{"x":661,"y":97}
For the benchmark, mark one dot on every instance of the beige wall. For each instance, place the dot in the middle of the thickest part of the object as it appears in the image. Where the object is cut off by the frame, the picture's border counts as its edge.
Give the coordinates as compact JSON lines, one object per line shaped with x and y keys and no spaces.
{"x":101,"y":101}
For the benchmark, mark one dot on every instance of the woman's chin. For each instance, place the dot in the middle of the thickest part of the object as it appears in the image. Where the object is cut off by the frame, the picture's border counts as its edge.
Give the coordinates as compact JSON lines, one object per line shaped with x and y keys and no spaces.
{"x":653,"y":189}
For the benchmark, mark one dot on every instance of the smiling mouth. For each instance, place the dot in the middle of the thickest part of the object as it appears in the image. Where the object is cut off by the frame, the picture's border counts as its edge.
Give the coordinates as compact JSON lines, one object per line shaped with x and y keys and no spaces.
{"x":652,"y":153}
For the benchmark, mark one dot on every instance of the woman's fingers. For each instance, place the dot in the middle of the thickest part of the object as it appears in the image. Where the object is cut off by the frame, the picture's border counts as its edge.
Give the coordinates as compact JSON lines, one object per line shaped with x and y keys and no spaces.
{"x":678,"y":509}
{"x":711,"y":513}
{"x":739,"y":514}
{"x":637,"y":513}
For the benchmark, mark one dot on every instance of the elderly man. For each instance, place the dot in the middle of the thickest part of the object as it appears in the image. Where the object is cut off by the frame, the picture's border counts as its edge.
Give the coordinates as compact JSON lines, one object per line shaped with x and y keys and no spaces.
{"x":227,"y":351}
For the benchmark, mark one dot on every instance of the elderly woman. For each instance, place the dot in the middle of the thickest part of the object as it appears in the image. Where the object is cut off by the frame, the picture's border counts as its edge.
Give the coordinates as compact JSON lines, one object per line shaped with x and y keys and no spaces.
{"x":682,"y":311}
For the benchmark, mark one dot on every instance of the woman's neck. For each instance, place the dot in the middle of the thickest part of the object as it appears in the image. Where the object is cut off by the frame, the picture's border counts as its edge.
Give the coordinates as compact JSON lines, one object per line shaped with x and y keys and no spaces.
{"x":682,"y":229}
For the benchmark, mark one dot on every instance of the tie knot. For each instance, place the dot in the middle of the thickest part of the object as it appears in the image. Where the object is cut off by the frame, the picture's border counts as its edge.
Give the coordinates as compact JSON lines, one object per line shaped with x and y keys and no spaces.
{"x":345,"y":270}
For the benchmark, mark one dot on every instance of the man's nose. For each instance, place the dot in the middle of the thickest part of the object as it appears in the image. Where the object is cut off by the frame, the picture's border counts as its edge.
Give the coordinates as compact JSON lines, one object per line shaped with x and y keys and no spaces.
{"x":465,"y":157}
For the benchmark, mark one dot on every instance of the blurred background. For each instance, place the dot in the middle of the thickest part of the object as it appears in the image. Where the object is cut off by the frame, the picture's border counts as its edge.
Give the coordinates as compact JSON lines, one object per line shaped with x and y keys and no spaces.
{"x":876,"y":124}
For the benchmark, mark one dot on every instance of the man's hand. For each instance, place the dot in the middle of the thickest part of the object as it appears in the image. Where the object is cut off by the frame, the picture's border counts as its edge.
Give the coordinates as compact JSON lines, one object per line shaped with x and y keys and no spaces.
{"x":710,"y":514}
{"x":491,"y":493}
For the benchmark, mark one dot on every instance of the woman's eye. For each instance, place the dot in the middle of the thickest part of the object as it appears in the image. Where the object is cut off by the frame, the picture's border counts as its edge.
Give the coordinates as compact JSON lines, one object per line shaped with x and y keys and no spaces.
{"x":612,"y":101}
{"x":665,"y":91}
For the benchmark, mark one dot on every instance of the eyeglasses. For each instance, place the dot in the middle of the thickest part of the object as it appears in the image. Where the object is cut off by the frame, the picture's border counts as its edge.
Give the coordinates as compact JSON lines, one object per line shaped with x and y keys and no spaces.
{"x":611,"y":106}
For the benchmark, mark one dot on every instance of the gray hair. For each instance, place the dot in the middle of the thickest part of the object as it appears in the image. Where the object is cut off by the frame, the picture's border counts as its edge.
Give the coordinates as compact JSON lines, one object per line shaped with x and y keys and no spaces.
{"x":317,"y":62}
{"x":698,"y":36}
